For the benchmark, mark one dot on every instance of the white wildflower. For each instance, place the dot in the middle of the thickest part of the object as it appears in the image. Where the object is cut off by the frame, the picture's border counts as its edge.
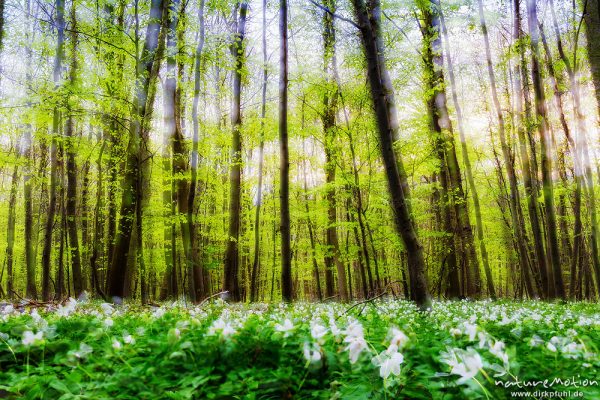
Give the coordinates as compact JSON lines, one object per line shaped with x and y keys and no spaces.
{"x":335,"y":331}
{"x":455,"y":332}
{"x":220,"y":325}
{"x":356,"y":345}
{"x":29,"y":338}
{"x":116,"y":344}
{"x":470,"y":330}
{"x":8,"y":309}
{"x":67,"y":309}
{"x":497,"y":349}
{"x":398,"y":338}
{"x":83,"y":352}
{"x":312,"y":352}
{"x":389,"y":361}
{"x":317,"y":331}
{"x":465,"y":363}
{"x":286,"y":328}
{"x":535,"y":341}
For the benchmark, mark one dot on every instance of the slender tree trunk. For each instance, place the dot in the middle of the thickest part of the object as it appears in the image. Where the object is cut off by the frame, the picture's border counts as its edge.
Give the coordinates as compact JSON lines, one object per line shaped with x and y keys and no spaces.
{"x":256,"y":265}
{"x":169,"y":193}
{"x":200,"y":275}
{"x":330,"y":105}
{"x":528,"y":163}
{"x":284,"y":167}
{"x":442,"y":131}
{"x":98,"y":225}
{"x":556,"y":287}
{"x":382,"y":95}
{"x":514,"y":199}
{"x":469,"y":174}
{"x":71,"y":201}
{"x":29,"y":165}
{"x":118,"y":267}
{"x":10,"y":230}
{"x":169,"y":289}
{"x":591,"y":14}
{"x":313,"y":252}
{"x":47,"y":251}
{"x":232,"y":257}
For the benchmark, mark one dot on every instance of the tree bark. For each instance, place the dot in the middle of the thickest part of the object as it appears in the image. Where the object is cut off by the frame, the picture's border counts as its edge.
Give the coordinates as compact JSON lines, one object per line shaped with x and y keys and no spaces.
{"x":10,"y":231}
{"x":261,"y":155}
{"x":284,"y":166}
{"x":556,"y":287}
{"x":382,"y":96}
{"x":118,"y":267}
{"x":232,"y":257}
{"x":441,"y":127}
{"x":200,"y":274}
{"x":47,"y":251}
{"x":71,"y":202}
{"x":528,"y":163}
{"x":328,"y":118}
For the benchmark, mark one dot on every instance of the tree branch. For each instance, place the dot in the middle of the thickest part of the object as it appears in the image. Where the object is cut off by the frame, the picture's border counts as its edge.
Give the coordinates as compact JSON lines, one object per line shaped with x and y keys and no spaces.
{"x":328,"y":11}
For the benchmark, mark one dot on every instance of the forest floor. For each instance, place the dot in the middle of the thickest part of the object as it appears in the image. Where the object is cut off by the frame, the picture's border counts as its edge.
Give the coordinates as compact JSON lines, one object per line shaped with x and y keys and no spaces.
{"x":384,"y":349}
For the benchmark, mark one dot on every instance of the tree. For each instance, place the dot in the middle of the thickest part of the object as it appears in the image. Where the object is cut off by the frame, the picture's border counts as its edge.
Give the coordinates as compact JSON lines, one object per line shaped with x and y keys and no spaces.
{"x":330,"y":101}
{"x":382,"y":96}
{"x":556,"y":287}
{"x":284,"y":166}
{"x":231,"y":271}
{"x":441,"y":129}
{"x":71,"y":206}
{"x":131,"y":174}
{"x":200,"y":275}
{"x":47,"y":251}
{"x":528,"y":158}
{"x":261,"y":159}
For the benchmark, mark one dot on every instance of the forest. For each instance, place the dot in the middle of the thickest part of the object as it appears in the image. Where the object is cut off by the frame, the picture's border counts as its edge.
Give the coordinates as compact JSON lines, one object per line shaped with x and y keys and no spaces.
{"x":300,"y":151}
{"x":273,"y":190}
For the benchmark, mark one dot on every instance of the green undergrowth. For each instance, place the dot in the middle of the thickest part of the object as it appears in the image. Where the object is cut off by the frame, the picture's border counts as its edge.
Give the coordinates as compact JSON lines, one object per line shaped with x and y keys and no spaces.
{"x":378,"y":350}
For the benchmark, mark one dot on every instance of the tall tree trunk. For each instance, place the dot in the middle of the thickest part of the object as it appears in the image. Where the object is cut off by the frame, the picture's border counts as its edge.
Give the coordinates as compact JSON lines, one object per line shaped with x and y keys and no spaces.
{"x":118,"y":267}
{"x":10,"y":230}
{"x":591,"y":14}
{"x":200,"y":275}
{"x":98,"y":224}
{"x":575,"y":152}
{"x":450,"y":258}
{"x":261,"y":156}
{"x":442,"y":131}
{"x":232,"y":257}
{"x":382,"y":96}
{"x":313,"y":250}
{"x":330,"y":102}
{"x":71,"y":202}
{"x":180,"y":157}
{"x":556,"y":287}
{"x":29,"y":165}
{"x":47,"y":251}
{"x":514,"y":198}
{"x":169,"y":289}
{"x":284,"y":166}
{"x":173,"y":160}
{"x":528,"y":163}
{"x":592,"y":21}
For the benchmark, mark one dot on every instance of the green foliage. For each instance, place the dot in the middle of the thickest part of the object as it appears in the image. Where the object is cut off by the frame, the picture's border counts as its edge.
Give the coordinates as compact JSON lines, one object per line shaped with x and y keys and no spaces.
{"x":93,"y":351}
